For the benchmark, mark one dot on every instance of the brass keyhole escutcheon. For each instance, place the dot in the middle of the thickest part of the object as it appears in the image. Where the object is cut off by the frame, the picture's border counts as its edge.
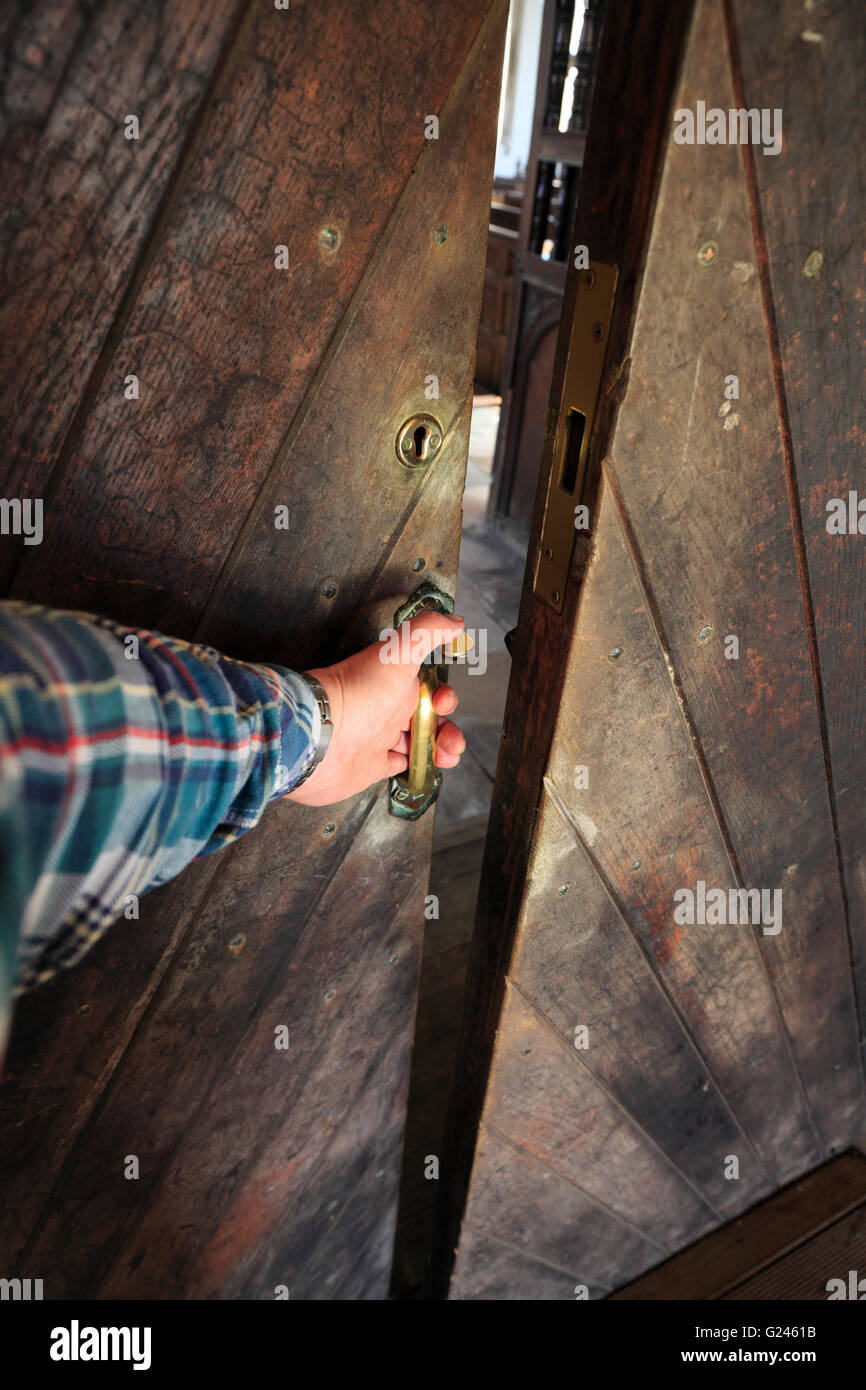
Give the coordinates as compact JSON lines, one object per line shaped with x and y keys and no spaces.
{"x":419,"y":441}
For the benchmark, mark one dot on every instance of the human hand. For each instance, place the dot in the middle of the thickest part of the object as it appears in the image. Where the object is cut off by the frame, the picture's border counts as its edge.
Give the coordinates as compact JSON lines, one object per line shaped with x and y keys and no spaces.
{"x":372,"y":703}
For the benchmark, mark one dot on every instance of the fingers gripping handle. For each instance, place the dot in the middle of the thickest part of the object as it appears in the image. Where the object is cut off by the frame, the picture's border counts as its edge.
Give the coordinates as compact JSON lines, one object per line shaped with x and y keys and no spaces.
{"x":413,"y":792}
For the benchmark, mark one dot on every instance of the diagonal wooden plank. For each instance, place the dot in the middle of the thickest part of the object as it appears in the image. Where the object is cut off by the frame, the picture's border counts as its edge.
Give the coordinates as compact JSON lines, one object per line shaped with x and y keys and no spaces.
{"x":225,"y":344}
{"x":80,"y":199}
{"x":704,"y":488}
{"x":60,"y":1079}
{"x":54,"y":1074}
{"x":548,"y":1099}
{"x":812,"y":279}
{"x":683,"y":1037}
{"x":577,"y":961}
{"x":540,"y":1215}
{"x":271,"y":1146}
{"x":418,"y":315}
{"x":497,"y":1270}
{"x":649,"y":828}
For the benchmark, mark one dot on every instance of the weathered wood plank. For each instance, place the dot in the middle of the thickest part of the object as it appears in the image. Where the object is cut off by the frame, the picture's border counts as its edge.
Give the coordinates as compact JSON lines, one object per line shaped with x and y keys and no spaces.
{"x":682,"y":1030}
{"x":702,"y":482}
{"x":354,"y":511}
{"x":805,"y":1273}
{"x":738,"y":1251}
{"x":80,"y":199}
{"x":493,"y":1271}
{"x":66,"y":1041}
{"x":814,"y":274}
{"x":535,"y":1213}
{"x":244,"y":1193}
{"x":647,"y":824}
{"x":217,"y":1011}
{"x":226,"y":345}
{"x":70,"y":1039}
{"x":547,"y":1098}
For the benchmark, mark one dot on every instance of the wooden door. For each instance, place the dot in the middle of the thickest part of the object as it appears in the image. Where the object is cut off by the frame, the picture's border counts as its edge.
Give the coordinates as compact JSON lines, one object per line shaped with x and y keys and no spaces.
{"x":265,"y":379}
{"x":689,"y":708}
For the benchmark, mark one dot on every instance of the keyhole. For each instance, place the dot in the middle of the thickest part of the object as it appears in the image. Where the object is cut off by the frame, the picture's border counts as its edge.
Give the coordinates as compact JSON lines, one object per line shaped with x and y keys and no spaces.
{"x":419,"y":439}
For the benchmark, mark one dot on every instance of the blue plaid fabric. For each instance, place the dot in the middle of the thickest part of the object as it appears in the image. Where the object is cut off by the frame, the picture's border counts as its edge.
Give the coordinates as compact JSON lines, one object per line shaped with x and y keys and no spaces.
{"x":123,"y":756}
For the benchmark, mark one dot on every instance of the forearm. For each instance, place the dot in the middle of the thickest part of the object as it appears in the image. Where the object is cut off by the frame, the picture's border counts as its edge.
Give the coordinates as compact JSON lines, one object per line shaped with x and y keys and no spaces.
{"x":124,"y":756}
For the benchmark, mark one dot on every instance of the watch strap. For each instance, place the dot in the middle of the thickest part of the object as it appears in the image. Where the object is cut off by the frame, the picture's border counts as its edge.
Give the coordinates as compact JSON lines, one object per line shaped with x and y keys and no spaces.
{"x":326,"y":724}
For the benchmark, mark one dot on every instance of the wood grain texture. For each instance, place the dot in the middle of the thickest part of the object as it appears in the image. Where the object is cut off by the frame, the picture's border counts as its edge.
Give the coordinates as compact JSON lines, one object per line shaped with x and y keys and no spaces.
{"x":494,"y":1271}
{"x":740,"y":1250}
{"x":550,"y":1101}
{"x":531,"y":1211}
{"x":805,"y":1274}
{"x":818,"y":328}
{"x":715,"y":1040}
{"x":646,"y":825}
{"x":227,"y":346}
{"x":197,"y":1014}
{"x":67,"y":1038}
{"x":708,"y":510}
{"x":258,"y":1167}
{"x":358,"y":519}
{"x":79,"y":198}
{"x":280,"y":1136}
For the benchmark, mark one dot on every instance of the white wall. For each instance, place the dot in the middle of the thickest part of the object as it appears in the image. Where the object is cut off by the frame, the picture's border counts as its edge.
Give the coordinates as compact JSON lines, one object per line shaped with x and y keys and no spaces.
{"x":518,"y":87}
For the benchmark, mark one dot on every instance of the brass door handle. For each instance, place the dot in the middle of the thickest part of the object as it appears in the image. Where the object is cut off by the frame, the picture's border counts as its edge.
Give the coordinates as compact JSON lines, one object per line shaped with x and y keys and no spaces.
{"x":413,"y":792}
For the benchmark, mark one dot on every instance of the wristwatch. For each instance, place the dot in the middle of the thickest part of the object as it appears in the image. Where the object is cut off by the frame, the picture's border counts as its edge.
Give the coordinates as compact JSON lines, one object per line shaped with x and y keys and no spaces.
{"x":327,"y":725}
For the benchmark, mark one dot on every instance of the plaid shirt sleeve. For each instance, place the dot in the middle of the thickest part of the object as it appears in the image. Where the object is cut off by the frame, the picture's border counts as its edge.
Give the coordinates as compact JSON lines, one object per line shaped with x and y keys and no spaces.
{"x":123,"y":756}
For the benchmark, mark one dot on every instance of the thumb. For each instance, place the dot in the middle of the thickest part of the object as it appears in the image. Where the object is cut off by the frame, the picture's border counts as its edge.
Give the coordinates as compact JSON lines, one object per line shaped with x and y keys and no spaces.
{"x":422,"y":635}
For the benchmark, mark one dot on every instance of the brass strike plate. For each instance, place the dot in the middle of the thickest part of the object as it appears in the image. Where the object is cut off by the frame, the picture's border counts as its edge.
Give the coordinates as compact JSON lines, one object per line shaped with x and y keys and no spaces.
{"x":589,"y":333}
